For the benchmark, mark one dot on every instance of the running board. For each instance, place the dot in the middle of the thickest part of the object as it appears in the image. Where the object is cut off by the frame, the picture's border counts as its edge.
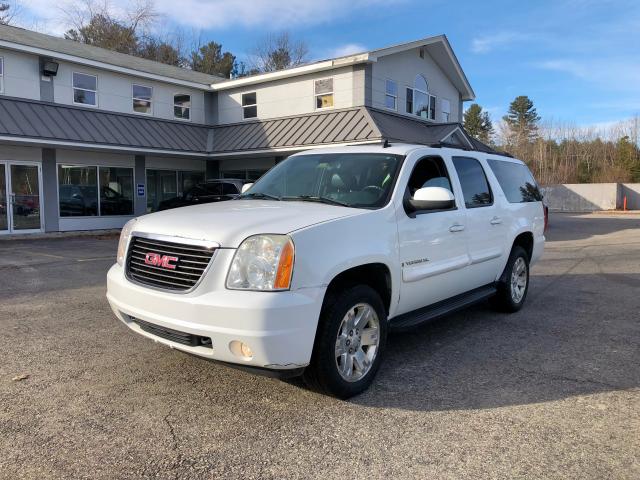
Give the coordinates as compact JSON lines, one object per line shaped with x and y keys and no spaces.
{"x":423,"y":315}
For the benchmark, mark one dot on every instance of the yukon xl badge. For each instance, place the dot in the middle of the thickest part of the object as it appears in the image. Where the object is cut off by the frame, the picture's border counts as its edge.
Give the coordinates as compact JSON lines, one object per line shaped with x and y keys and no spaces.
{"x":414,"y":262}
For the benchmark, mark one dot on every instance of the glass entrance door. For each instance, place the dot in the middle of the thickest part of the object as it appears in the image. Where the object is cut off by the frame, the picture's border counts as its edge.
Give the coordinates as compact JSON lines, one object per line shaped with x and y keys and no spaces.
{"x":19,"y":198}
{"x":4,"y":211}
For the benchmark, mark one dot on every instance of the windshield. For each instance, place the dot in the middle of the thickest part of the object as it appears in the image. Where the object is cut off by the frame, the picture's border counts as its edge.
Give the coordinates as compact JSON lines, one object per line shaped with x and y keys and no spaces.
{"x":351,"y":179}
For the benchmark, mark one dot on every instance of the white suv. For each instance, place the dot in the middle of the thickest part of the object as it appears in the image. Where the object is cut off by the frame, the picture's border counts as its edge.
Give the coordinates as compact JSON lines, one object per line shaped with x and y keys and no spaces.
{"x":307,"y":271}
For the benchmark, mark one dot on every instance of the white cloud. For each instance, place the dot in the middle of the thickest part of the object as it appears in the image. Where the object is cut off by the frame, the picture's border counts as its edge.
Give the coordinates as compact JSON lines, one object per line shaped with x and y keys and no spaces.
{"x":347,"y":49}
{"x":221,"y":14}
{"x":613,"y":73}
{"x":487,"y":43}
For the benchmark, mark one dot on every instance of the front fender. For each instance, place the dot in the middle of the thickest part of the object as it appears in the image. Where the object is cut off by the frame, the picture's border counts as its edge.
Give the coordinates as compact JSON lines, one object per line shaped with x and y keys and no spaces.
{"x":324,"y":251}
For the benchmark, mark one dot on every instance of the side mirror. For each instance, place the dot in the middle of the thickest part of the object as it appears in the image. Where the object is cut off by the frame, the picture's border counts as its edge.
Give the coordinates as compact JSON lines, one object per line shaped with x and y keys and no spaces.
{"x":246,"y":187}
{"x":432,"y":198}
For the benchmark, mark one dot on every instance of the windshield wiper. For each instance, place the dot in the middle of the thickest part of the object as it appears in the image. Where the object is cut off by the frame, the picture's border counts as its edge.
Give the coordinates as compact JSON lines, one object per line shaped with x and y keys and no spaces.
{"x":310,"y":198}
{"x":258,"y":196}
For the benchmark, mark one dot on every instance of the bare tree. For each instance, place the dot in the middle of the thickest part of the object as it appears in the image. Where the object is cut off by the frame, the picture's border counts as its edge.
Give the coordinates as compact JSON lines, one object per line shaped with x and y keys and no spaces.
{"x":94,"y":23}
{"x":9,"y":10}
{"x":277,"y":52}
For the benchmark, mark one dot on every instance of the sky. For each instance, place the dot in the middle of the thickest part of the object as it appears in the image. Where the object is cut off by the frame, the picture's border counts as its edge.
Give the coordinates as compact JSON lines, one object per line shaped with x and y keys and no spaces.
{"x":578,"y":60}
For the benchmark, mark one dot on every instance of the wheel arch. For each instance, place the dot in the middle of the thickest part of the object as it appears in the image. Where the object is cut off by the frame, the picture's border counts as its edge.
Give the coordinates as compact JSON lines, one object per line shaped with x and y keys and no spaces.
{"x":376,"y":275}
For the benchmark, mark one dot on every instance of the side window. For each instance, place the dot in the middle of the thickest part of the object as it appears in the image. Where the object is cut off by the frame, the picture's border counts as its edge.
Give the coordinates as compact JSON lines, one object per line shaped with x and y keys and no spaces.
{"x":142,"y":97}
{"x":249,"y":105}
{"x":85,"y":89}
{"x":429,"y":172}
{"x":516,"y":181}
{"x":182,"y":106}
{"x":473,"y":180}
{"x":323,"y":90}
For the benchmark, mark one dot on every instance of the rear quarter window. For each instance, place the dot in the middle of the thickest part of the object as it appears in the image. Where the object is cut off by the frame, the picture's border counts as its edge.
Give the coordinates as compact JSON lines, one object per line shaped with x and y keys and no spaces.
{"x":516,"y":181}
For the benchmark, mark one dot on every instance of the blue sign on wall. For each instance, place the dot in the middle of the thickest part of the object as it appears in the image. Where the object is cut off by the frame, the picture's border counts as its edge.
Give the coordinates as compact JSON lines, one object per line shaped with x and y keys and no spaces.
{"x":140,"y":189}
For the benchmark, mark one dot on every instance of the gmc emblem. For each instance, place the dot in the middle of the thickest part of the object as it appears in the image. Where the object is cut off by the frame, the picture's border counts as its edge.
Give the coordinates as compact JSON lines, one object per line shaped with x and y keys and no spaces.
{"x":163,"y":261}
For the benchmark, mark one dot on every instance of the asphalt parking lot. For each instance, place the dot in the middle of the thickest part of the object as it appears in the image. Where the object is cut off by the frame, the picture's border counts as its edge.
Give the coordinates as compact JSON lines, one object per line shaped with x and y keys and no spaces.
{"x":549,"y":392}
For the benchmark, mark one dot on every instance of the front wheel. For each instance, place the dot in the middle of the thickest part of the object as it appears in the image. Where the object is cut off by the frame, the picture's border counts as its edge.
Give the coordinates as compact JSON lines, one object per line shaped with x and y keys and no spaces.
{"x":514,"y":282}
{"x":349,"y":343}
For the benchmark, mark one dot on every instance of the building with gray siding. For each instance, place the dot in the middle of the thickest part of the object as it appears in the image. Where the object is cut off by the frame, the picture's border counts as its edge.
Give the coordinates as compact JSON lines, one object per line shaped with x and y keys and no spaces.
{"x":90,"y":138}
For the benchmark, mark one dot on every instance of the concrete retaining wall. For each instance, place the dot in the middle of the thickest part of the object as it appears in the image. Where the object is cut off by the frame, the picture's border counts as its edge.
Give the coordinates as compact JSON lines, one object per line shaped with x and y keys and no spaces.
{"x":591,"y":197}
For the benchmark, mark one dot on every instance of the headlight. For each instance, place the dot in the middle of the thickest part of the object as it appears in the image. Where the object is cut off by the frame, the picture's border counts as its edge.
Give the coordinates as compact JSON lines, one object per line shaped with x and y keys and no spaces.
{"x":124,"y":241}
{"x":262,"y":262}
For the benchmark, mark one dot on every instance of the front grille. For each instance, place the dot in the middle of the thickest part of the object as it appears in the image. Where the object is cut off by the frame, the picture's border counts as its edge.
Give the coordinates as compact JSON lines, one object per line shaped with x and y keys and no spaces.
{"x":190,"y":266}
{"x":174,"y":335}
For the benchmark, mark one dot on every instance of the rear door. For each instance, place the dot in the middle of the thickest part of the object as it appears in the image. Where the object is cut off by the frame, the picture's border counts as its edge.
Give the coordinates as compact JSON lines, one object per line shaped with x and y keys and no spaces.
{"x":486,"y":225}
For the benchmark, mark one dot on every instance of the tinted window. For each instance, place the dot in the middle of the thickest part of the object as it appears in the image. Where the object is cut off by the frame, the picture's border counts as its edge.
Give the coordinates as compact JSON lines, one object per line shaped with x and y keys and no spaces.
{"x":516,"y":181}
{"x":473,"y":180}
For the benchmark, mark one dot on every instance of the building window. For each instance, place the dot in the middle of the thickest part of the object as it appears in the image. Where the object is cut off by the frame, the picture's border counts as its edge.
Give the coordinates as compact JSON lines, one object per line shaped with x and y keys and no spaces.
{"x":419,"y":101}
{"x":163,"y":185}
{"x":84,"y":89}
{"x":78,"y":191}
{"x":323,"y":90}
{"x":116,"y":191}
{"x":446,"y":109}
{"x":95,"y":191}
{"x":391,"y":95}
{"x":142,"y":98}
{"x":182,"y":106}
{"x":249,"y":105}
{"x":1,"y":75}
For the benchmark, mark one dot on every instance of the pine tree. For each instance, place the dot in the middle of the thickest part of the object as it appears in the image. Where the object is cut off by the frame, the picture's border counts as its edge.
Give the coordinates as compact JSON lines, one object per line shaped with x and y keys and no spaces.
{"x":478,"y":123}
{"x":522,"y":119}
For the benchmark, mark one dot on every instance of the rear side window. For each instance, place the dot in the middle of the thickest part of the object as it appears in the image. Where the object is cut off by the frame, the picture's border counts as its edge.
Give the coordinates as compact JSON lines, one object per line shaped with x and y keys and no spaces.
{"x":473,"y":180}
{"x":516,"y":181}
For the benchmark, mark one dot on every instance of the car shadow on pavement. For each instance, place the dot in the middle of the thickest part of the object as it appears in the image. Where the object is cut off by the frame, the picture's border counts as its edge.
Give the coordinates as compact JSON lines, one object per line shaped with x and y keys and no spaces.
{"x":554,"y":348}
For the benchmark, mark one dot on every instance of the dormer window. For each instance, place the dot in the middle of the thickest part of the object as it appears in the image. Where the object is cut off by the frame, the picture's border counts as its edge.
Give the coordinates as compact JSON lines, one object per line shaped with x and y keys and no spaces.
{"x":85,"y":89}
{"x":419,"y":101}
{"x":249,"y":105}
{"x":182,"y":106}
{"x":142,"y":97}
{"x":323,"y":90}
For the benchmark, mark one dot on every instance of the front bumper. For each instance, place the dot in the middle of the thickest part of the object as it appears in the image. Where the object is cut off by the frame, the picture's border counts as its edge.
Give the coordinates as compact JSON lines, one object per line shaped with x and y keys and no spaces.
{"x":278,"y":327}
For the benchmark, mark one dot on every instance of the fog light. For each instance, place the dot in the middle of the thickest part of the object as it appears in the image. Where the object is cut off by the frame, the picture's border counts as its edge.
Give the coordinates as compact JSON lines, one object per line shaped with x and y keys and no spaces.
{"x":241,"y":349}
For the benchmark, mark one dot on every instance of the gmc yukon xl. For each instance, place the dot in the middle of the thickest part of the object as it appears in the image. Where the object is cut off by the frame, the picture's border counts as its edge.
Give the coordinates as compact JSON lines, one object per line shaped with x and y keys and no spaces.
{"x":307,"y":270}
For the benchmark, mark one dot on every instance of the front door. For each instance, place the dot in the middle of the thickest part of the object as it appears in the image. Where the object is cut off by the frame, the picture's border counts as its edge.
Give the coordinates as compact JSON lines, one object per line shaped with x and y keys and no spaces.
{"x":433,"y":245}
{"x":20,"y":198}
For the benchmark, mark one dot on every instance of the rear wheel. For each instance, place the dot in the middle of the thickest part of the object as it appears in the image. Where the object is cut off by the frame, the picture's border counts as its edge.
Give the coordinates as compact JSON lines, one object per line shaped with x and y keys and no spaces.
{"x":514,"y":282}
{"x":349,"y":343}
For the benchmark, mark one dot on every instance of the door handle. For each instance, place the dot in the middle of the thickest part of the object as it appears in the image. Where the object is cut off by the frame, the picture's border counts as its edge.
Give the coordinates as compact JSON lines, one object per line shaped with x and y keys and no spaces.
{"x":496,"y":221}
{"x":456,"y":228}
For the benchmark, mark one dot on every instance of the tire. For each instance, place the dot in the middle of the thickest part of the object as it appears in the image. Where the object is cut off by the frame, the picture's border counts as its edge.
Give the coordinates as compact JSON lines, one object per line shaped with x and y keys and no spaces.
{"x":330,"y":373}
{"x":514,"y":282}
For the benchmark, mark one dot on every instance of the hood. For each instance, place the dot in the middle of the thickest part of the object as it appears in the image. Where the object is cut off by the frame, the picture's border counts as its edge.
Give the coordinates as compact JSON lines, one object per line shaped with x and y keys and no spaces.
{"x":229,"y":223}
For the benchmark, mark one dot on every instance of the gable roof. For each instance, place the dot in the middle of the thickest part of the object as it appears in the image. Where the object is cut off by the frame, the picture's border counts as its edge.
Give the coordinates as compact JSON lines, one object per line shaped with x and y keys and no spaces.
{"x":47,"y":45}
{"x":437,"y":46}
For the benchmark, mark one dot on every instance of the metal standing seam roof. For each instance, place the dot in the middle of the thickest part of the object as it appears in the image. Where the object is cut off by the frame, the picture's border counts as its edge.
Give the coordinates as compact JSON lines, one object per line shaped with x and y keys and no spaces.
{"x":89,"y":52}
{"x":62,"y":123}
{"x":321,"y":128}
{"x":44,"y":121}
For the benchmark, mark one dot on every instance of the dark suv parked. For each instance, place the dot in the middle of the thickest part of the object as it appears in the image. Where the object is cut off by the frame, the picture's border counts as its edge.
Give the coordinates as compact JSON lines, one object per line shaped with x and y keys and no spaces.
{"x":206,"y":192}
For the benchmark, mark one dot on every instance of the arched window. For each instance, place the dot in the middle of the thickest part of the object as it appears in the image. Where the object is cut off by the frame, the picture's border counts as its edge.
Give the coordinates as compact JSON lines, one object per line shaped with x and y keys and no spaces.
{"x":421,"y":84}
{"x":419,"y":101}
{"x":421,"y":97}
